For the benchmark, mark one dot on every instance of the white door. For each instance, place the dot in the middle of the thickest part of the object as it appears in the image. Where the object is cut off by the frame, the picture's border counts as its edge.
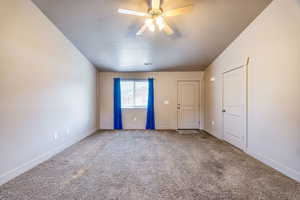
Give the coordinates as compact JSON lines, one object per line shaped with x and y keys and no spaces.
{"x":234,"y":100}
{"x":188,"y":105}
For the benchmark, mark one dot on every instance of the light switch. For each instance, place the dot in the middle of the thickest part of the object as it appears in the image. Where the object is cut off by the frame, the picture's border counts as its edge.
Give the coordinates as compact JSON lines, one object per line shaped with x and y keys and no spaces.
{"x":166,"y":102}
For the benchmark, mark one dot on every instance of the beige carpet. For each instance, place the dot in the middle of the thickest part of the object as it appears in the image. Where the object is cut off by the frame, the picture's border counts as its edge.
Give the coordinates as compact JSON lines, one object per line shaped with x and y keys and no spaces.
{"x":152,"y":165}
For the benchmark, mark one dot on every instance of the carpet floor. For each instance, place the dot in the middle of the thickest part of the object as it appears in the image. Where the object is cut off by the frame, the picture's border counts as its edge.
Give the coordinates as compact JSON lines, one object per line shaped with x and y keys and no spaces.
{"x":151,"y":165}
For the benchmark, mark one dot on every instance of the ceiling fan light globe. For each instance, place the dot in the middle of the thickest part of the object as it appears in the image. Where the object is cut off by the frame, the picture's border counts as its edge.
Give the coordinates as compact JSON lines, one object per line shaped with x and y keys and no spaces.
{"x":159,"y":20}
{"x":152,"y":28}
{"x":160,"y":23}
{"x":149,"y":22}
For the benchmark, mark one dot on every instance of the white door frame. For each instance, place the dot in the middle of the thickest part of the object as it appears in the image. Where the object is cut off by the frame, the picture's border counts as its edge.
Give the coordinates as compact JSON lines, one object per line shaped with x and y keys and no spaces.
{"x":245,"y":116}
{"x":200,"y":97}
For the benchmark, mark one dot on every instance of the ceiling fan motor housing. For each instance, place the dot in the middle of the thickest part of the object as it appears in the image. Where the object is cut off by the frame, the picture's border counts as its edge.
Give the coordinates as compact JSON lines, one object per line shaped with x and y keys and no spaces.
{"x":155,"y":12}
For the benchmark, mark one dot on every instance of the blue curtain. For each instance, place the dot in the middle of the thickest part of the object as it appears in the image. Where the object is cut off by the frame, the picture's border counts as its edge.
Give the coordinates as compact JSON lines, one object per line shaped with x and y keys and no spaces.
{"x":150,"y":123}
{"x":117,"y":104}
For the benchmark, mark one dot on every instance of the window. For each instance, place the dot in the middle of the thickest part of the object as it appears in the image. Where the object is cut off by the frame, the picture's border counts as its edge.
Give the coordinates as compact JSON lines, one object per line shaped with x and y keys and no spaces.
{"x":134,"y":93}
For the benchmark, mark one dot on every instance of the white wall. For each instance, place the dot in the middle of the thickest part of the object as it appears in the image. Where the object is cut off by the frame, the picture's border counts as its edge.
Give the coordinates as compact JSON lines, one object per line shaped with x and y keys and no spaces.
{"x":165,"y":84}
{"x":46,"y":86}
{"x":272,"y":42}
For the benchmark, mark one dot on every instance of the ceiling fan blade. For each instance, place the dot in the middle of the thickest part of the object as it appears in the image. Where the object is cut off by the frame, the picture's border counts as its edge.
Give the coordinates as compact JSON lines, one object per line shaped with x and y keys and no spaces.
{"x":142,"y":30}
{"x":168,"y":30}
{"x":155,"y":4}
{"x":132,"y":12}
{"x":178,"y":11}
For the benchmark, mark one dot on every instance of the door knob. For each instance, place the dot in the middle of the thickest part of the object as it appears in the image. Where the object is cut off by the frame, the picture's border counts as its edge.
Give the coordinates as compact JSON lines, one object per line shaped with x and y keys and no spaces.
{"x":223,"y":110}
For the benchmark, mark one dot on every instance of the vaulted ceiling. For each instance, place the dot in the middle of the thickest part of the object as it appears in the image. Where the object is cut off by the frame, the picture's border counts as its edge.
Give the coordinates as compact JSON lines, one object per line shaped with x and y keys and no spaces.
{"x":108,"y":38}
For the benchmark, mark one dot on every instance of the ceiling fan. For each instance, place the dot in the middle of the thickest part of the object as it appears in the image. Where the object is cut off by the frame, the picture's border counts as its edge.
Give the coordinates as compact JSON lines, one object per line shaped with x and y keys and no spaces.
{"x":155,"y":16}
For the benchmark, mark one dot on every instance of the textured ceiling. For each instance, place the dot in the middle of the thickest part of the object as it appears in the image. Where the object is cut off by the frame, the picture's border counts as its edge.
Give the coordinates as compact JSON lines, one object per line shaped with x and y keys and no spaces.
{"x":108,"y":39}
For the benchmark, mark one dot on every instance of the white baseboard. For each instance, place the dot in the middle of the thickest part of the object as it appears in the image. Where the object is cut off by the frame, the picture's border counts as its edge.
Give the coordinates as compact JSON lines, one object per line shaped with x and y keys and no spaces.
{"x":11,"y":174}
{"x":276,"y":165}
{"x":213,"y":134}
{"x":272,"y":163}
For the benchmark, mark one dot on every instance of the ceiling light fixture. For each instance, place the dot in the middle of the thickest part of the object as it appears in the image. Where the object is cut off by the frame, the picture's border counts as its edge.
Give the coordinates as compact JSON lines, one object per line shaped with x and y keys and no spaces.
{"x":155,"y":16}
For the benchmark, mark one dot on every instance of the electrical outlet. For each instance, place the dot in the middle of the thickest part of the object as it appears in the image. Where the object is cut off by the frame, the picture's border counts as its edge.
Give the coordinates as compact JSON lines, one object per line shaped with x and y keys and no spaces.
{"x":68,"y":131}
{"x":55,"y":135}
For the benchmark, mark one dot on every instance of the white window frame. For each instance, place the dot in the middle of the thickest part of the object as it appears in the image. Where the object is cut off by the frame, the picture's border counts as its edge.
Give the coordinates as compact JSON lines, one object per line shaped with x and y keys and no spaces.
{"x":134,"y":89}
